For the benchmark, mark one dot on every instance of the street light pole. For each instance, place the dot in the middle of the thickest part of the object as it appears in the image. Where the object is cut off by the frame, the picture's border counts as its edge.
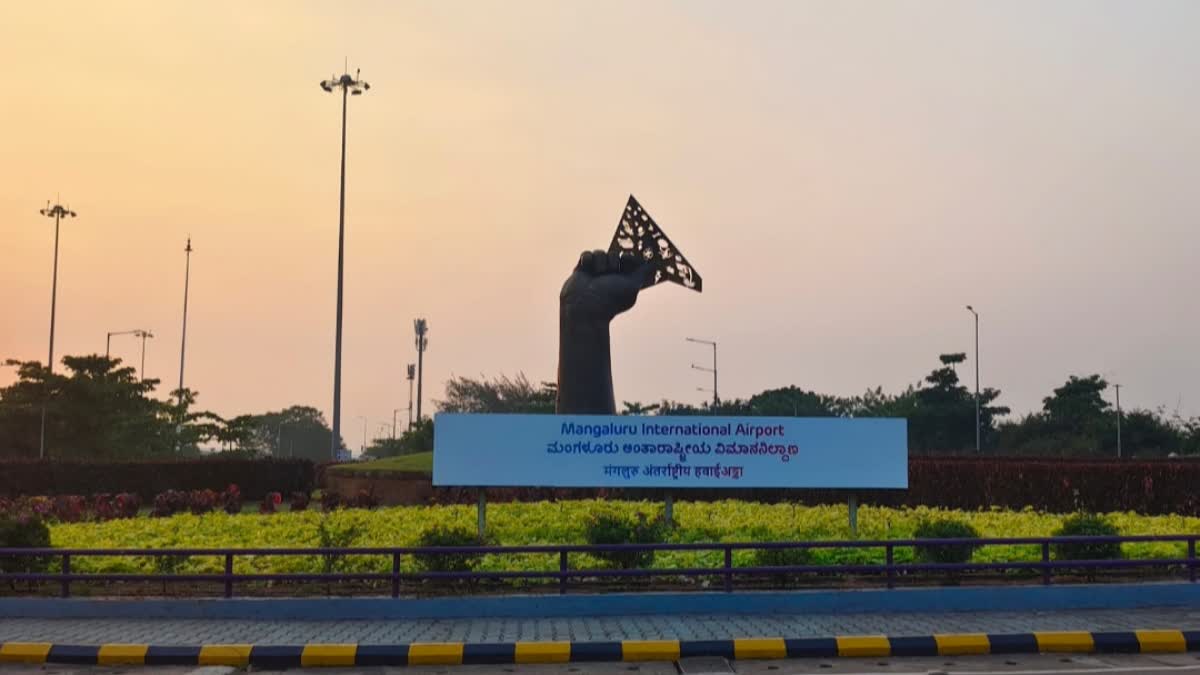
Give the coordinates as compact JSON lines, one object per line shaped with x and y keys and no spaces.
{"x":187,"y":276}
{"x":713,"y":370}
{"x":349,"y":86}
{"x":394,"y":411}
{"x":421,"y":328}
{"x":143,"y":334}
{"x":109,"y":337}
{"x":977,"y":422}
{"x":57,"y":212}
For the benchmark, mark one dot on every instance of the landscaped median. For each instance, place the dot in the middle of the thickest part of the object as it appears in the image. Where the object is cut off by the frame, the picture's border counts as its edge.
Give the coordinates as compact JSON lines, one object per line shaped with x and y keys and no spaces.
{"x":458,"y":653}
{"x":566,"y":522}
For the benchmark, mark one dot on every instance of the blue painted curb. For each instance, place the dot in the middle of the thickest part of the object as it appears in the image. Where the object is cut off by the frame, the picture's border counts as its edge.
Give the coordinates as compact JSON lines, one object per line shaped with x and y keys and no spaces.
{"x":956,"y":599}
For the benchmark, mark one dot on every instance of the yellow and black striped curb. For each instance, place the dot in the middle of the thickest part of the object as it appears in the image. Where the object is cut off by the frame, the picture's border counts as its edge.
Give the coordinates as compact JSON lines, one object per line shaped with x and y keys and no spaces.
{"x":456,"y":653}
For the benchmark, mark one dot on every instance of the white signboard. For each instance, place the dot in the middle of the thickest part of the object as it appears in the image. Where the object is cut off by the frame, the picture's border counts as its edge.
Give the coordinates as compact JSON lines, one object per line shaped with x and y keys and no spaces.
{"x":669,"y":452}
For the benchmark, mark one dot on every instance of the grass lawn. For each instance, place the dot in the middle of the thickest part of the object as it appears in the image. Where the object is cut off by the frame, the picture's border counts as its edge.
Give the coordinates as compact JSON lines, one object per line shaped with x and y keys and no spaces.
{"x":421,"y":461}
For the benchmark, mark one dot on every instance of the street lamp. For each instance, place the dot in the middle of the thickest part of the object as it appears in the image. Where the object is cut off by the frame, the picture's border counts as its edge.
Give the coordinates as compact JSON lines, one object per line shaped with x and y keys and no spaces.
{"x":977,"y":423}
{"x":713,"y":370}
{"x":349,"y":86}
{"x":109,"y":336}
{"x":143,"y":334}
{"x":57,"y":212}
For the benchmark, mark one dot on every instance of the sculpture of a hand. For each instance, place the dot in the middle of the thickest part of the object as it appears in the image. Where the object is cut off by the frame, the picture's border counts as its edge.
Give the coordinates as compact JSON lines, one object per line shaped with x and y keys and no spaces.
{"x":602,"y":286}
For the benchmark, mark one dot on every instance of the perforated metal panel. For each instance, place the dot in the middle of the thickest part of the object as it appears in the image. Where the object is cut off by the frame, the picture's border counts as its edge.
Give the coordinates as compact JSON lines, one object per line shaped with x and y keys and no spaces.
{"x":638,"y":235}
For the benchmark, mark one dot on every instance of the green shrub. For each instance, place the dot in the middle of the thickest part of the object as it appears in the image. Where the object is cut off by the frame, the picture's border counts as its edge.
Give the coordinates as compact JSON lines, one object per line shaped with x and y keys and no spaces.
{"x":782,"y":557}
{"x":613,"y":528}
{"x":449,"y":535}
{"x":23,"y":532}
{"x":330,"y":535}
{"x":1087,"y":525}
{"x":945,"y":528}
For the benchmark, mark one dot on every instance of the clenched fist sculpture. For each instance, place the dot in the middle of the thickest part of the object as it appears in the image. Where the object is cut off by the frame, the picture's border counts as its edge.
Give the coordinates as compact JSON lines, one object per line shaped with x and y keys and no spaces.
{"x":603,"y":285}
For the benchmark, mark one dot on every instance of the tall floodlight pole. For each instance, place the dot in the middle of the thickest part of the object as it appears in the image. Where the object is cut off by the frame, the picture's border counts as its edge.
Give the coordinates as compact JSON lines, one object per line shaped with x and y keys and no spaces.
{"x":713,"y":370}
{"x":421,"y":328}
{"x":144,"y":334}
{"x":978,"y":426}
{"x":57,"y":212}
{"x":187,"y":275}
{"x":1118,"y":388}
{"x":411,"y":371}
{"x":350,"y":86}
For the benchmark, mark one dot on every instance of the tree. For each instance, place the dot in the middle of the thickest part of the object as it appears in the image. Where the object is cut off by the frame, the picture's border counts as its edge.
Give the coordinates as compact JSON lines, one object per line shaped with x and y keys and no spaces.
{"x":1078,"y":404}
{"x":94,"y":409}
{"x":240,"y":434}
{"x":942,"y":417}
{"x":639,"y":408}
{"x":499,"y":395}
{"x":419,"y":438}
{"x":733,"y":408}
{"x":296,"y":431}
{"x":794,"y":402}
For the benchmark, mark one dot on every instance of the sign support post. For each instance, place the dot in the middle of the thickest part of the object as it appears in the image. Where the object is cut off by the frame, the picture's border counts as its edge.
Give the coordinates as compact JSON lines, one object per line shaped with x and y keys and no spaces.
{"x":481,"y":513}
{"x":853,"y":512}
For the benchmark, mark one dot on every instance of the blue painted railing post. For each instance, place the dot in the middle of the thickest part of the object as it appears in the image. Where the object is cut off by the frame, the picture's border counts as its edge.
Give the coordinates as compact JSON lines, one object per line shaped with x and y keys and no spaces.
{"x":395,"y":575}
{"x":1046,"y":563}
{"x":1192,"y":559}
{"x":891,"y":570}
{"x":562,"y":572}
{"x":229,"y":575}
{"x":66,"y":572}
{"x":728,"y":569}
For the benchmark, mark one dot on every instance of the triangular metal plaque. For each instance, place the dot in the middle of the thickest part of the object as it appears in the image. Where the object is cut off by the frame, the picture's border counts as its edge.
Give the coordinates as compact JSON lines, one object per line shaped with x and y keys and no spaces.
{"x":638,"y":234}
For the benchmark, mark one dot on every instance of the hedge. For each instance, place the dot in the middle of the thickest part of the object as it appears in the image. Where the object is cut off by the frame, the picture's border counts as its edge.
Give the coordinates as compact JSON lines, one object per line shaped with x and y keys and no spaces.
{"x":1052,"y":485}
{"x":147,"y":478}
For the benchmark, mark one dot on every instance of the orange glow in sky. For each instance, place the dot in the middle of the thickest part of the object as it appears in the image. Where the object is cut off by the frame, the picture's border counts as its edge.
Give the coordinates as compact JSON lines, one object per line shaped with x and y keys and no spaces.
{"x":845,"y":176}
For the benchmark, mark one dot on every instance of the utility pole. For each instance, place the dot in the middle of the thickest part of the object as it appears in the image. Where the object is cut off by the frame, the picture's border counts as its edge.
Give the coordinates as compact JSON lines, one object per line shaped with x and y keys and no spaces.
{"x":1118,"y":388}
{"x":349,"y":86}
{"x":412,"y":374}
{"x":421,"y":328}
{"x":713,"y":370}
{"x":57,"y":212}
{"x":978,"y":426}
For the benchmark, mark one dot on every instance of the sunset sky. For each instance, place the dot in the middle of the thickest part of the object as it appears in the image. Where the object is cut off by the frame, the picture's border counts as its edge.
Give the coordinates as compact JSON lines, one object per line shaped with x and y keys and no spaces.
{"x":846,"y":176}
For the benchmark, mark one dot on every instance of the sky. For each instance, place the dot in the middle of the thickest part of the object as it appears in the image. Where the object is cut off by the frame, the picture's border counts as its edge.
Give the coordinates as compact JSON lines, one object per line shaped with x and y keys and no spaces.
{"x":846,"y":177}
